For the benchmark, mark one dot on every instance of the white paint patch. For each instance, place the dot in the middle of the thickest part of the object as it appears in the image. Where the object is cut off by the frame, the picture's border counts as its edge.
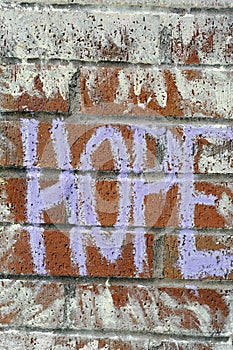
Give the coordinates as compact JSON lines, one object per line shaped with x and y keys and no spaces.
{"x":94,"y":345}
{"x":122,"y":92}
{"x":216,"y":157}
{"x":19,"y":299}
{"x":5,"y":213}
{"x":55,"y":79}
{"x":225,"y":207}
{"x":106,"y":308}
{"x":210,"y":90}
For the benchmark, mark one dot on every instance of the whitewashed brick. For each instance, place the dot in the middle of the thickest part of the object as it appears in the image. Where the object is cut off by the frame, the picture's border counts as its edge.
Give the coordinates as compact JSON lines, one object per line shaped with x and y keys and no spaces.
{"x":78,"y":34}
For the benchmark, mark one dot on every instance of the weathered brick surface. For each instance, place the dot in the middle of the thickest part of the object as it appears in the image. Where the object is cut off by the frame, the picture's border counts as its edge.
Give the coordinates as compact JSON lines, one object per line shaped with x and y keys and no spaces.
{"x":116,"y":196}
{"x":156,"y":92}
{"x":31,"y":304}
{"x":14,"y":202}
{"x":190,"y":345}
{"x":217,"y":248}
{"x":118,"y":37}
{"x":196,"y":39}
{"x":165,"y":310}
{"x":211,"y":151}
{"x":165,"y":3}
{"x":18,"y":255}
{"x":78,"y":34}
{"x":161,"y":202}
{"x":31,"y":87}
{"x":43,"y":341}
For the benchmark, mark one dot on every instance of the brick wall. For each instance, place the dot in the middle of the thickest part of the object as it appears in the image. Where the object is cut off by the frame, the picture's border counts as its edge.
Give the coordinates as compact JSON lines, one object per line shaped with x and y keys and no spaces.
{"x":116,"y":148}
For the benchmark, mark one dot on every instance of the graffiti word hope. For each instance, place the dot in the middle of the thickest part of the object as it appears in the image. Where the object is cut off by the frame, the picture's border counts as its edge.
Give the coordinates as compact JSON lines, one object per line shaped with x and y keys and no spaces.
{"x":135,"y":151}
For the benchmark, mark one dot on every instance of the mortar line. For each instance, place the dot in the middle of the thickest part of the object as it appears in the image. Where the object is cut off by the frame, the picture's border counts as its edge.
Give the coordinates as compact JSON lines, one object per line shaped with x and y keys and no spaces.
{"x":151,"y":282}
{"x":83,"y":119}
{"x":147,"y":176}
{"x":151,"y":7}
{"x":112,"y":333}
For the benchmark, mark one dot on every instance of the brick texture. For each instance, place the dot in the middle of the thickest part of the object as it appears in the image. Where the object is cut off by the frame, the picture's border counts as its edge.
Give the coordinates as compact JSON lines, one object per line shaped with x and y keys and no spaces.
{"x":165,"y":3}
{"x":63,"y":33}
{"x":38,"y":341}
{"x":31,"y":87}
{"x":154,"y":309}
{"x":147,"y":92}
{"x":116,"y":193}
{"x":31,"y":303}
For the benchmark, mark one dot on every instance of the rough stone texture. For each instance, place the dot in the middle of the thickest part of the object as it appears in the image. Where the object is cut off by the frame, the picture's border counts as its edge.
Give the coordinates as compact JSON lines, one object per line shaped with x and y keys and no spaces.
{"x":78,"y":34}
{"x":31,"y":303}
{"x":165,"y":310}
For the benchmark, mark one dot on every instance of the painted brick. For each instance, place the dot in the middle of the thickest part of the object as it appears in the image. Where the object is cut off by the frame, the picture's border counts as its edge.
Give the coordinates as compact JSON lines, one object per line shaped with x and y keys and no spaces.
{"x":60,"y":250}
{"x":190,"y":345}
{"x":211,"y":151}
{"x":147,"y":308}
{"x":41,"y":341}
{"x":200,"y":39}
{"x":31,"y":87}
{"x":158,"y":203}
{"x":212,"y":256}
{"x":165,"y":3}
{"x":77,"y":34}
{"x":156,"y":92}
{"x":14,"y":202}
{"x":32,"y":304}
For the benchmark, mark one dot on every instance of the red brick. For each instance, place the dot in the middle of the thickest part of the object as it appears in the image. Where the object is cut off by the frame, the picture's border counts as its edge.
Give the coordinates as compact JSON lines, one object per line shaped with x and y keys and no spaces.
{"x":31,"y":87}
{"x":156,"y":92}
{"x":211,"y":151}
{"x":163,"y":206}
{"x":13,"y":195}
{"x":213,"y":243}
{"x":151,"y":309}
{"x":190,"y":345}
{"x":49,"y":340}
{"x":88,"y":35}
{"x":16,"y":253}
{"x":32,"y":304}
{"x":201,"y":39}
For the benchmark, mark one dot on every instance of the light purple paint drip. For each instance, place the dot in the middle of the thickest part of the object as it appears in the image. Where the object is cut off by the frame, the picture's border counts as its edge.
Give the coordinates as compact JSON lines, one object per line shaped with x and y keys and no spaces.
{"x":139,"y":150}
{"x":77,"y":249}
{"x":193,"y":288}
{"x":199,"y":264}
{"x":37,"y":248}
{"x":140,"y":249}
{"x":29,"y":129}
{"x":29,"y":140}
{"x":61,"y":145}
